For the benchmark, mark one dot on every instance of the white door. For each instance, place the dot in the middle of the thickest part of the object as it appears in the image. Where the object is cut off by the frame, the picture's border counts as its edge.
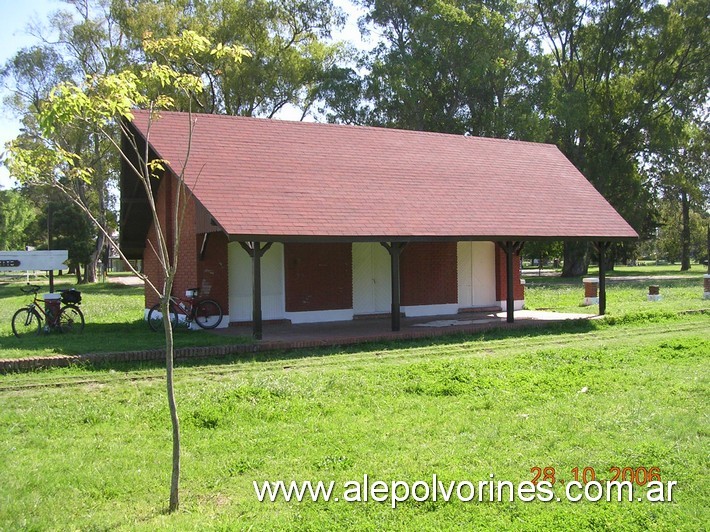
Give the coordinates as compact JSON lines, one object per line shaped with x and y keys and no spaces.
{"x":372,"y":279}
{"x":476,"y":274}
{"x":240,"y":283}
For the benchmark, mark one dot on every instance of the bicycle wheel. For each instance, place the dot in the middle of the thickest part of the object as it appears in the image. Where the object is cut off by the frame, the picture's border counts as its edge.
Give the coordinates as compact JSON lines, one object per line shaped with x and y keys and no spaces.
{"x":208,"y":313}
{"x":155,"y":318}
{"x":70,"y":320}
{"x":26,"y":322}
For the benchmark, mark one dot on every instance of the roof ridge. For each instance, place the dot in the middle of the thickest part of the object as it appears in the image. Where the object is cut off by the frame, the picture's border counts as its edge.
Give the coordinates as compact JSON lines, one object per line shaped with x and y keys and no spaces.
{"x":379,"y":129}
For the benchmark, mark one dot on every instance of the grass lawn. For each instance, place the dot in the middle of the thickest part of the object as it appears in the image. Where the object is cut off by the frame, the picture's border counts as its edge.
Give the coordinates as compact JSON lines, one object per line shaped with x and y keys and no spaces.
{"x":114,"y":322}
{"x":623,"y":297}
{"x":648,"y":269}
{"x":90,"y":449}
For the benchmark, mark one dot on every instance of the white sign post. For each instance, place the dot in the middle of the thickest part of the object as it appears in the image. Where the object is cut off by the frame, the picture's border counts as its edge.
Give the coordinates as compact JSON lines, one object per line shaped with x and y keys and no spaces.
{"x":13,"y":261}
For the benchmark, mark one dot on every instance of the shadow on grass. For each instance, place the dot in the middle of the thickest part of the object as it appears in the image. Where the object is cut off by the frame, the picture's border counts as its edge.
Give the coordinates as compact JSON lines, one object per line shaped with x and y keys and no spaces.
{"x":109,"y":288}
{"x":183,"y":338}
{"x":455,"y":338}
{"x":110,"y":337}
{"x":552,"y":282}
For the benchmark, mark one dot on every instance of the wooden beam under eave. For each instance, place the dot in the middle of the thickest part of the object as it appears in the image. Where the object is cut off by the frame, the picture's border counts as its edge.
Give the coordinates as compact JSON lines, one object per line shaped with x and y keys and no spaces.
{"x":510,"y":289}
{"x":256,"y":251}
{"x":511,"y":249}
{"x":602,"y":248}
{"x":395,"y":250}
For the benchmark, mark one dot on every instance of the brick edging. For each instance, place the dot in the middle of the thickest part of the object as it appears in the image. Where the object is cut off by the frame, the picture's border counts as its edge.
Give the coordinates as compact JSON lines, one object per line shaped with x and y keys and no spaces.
{"x":31,"y":363}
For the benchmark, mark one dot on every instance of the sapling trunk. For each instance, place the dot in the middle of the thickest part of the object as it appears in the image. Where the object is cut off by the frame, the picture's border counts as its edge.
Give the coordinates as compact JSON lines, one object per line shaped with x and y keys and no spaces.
{"x":175,"y":421}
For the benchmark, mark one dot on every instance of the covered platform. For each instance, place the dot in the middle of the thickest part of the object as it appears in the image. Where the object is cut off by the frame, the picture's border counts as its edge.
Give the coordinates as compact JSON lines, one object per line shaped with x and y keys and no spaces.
{"x":284,"y":335}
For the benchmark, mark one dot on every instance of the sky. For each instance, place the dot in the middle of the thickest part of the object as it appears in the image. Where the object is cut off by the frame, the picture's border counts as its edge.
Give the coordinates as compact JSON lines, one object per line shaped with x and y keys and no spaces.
{"x":16,"y":15}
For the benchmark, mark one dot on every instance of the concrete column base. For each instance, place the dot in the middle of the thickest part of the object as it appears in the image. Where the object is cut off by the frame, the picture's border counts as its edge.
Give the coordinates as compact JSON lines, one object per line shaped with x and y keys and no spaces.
{"x":589,"y":301}
{"x":654,"y":297}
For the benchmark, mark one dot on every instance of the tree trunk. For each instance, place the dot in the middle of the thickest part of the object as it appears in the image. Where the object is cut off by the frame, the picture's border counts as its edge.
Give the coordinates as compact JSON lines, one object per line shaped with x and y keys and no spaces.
{"x":90,"y":270}
{"x":169,"y":366}
{"x":609,"y":259}
{"x":91,"y":267}
{"x":685,"y":233}
{"x":576,"y":259}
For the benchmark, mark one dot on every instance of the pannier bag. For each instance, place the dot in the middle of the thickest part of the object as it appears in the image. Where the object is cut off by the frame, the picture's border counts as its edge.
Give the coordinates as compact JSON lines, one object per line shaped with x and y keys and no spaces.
{"x":72,"y":296}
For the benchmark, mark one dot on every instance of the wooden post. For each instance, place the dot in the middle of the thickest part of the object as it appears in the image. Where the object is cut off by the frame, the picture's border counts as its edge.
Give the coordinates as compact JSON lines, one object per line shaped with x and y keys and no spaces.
{"x":510,"y":289}
{"x":395,"y":250}
{"x":511,"y":249}
{"x":256,"y":251}
{"x":257,"y":331}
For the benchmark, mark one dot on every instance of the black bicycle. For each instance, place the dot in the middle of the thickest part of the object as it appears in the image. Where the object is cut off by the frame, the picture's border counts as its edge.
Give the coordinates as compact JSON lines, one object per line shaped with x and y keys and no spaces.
{"x":206,"y":313}
{"x":59,"y":313}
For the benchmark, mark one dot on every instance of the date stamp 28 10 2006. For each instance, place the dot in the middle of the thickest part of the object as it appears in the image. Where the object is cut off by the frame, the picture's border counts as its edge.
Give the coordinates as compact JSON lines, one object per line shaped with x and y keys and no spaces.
{"x":621,"y":479}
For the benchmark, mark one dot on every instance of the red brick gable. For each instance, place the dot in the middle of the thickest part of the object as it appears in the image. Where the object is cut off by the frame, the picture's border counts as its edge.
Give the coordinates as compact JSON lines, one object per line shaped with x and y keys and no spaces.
{"x":276,"y":180}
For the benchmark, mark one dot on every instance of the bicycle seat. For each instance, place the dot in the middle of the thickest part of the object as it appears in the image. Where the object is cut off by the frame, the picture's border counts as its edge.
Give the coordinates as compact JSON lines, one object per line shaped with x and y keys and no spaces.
{"x":30,"y":289}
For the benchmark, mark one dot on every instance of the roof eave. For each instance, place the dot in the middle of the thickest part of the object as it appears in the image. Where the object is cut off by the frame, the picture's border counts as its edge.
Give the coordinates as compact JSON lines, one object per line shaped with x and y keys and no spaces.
{"x":422,"y":238}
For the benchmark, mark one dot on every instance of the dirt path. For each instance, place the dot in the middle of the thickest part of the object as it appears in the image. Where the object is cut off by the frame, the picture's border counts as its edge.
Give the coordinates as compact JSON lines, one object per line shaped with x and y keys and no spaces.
{"x":128,"y":280}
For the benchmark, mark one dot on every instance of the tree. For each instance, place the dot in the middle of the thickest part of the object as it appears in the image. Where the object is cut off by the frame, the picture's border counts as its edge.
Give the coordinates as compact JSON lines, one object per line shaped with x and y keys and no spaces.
{"x":72,"y":230}
{"x":542,"y":251}
{"x":289,"y":55}
{"x":104,"y":102}
{"x":671,"y":224}
{"x":16,"y":216}
{"x":621,"y":68}
{"x":453,"y":66}
{"x":682,"y":175}
{"x":81,"y":40}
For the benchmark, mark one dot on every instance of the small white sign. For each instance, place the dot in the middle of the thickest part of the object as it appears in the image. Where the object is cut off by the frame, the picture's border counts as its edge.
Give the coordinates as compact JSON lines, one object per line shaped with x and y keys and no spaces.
{"x":12,"y":261}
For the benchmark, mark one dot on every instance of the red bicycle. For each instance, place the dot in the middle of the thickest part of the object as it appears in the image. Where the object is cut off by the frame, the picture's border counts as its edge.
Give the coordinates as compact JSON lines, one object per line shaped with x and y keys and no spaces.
{"x":206,"y":313}
{"x":58,"y":312}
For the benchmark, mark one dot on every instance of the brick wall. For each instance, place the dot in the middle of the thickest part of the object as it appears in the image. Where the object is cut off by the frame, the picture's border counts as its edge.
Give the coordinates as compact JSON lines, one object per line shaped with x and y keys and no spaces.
{"x":151,"y":265}
{"x":209,"y":275}
{"x":212,"y":268}
{"x":429,"y":273}
{"x":501,"y":277}
{"x":318,"y":276}
{"x":186,"y":276}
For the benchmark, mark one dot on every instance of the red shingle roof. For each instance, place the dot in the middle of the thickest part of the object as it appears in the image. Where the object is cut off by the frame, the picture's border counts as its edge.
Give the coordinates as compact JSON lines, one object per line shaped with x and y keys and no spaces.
{"x":271,"y":178}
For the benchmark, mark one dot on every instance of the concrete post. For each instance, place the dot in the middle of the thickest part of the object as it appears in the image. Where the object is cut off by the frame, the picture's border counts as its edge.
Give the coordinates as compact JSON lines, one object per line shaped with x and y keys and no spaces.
{"x":591,"y":291}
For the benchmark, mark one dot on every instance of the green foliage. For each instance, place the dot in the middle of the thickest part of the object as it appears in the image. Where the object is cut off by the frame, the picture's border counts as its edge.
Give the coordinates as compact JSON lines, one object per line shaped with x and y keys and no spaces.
{"x":16,"y":217}
{"x":668,"y":244}
{"x":623,"y":71}
{"x":452,"y":66}
{"x":542,"y":251}
{"x":79,"y":40}
{"x":71,"y":229}
{"x":284,"y":41}
{"x":100,"y":102}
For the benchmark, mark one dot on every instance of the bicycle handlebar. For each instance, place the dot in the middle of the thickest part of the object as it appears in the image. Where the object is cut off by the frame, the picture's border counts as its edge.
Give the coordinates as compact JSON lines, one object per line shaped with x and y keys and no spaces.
{"x":30,"y":289}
